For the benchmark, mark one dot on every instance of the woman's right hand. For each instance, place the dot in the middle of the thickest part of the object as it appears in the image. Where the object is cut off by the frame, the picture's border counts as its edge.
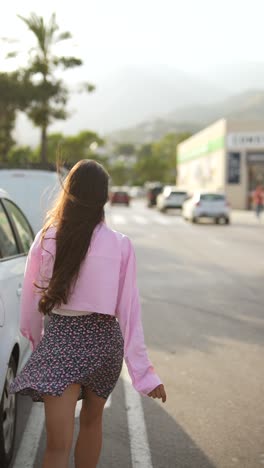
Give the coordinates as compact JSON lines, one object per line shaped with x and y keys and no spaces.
{"x":159,"y":392}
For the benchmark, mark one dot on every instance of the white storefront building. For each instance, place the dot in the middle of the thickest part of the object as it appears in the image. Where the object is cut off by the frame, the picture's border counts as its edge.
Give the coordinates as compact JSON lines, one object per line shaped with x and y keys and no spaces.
{"x":227,"y":156}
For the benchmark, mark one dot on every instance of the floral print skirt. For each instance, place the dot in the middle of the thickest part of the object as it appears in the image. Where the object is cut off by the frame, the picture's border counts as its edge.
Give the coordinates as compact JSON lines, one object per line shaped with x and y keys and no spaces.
{"x":85,"y":349}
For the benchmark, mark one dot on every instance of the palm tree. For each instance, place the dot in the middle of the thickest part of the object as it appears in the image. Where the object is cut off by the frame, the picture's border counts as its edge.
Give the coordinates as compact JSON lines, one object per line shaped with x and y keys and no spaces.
{"x":50,"y":93}
{"x":15,"y":94}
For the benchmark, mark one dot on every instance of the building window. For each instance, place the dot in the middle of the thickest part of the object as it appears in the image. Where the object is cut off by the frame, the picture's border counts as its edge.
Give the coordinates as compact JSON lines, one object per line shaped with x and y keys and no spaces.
{"x":233,"y":168}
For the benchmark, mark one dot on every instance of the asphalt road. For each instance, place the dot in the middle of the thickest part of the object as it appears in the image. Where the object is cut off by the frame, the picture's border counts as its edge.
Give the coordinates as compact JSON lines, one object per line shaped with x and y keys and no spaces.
{"x":202,"y":295}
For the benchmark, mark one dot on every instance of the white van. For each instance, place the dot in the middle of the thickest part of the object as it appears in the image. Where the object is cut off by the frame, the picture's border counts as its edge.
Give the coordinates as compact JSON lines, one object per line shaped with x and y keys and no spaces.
{"x":33,"y":190}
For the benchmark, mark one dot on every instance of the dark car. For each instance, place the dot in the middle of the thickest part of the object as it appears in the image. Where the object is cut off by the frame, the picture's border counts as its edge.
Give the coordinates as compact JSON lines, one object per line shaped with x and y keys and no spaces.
{"x":119,"y":197}
{"x":152,"y":192}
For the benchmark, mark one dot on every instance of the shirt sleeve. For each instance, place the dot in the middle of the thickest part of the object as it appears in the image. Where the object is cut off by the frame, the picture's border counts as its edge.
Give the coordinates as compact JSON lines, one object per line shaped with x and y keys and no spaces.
{"x":141,"y":371}
{"x":31,"y":320}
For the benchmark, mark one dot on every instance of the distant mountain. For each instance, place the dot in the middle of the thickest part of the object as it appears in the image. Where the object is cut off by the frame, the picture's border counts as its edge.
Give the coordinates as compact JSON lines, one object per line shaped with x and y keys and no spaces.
{"x":130,"y":96}
{"x":235,"y":77}
{"x":248,"y":105}
{"x":148,"y":101}
{"x":245,"y":106}
{"x":136,"y":94}
{"x":151,"y":130}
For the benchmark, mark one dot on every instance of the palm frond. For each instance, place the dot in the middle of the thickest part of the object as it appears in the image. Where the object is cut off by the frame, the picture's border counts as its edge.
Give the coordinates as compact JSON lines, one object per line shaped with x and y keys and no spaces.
{"x":63,"y":36}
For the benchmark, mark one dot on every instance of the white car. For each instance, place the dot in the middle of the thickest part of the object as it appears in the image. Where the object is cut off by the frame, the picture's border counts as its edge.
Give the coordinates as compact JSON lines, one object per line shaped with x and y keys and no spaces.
{"x":16,"y":236}
{"x":33,"y":190}
{"x":207,"y":205}
{"x":171,"y":197}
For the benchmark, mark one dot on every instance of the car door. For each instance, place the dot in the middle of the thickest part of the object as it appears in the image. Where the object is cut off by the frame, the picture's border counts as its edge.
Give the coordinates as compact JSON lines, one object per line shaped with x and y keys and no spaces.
{"x":24,"y":236}
{"x":11,"y":275}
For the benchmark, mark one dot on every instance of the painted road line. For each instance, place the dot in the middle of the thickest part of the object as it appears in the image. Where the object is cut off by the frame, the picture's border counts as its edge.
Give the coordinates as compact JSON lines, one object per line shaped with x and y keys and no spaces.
{"x":79,"y":406}
{"x":29,"y":444}
{"x":26,"y":454}
{"x":118,"y":219}
{"x":140,"y":452}
{"x":217,"y":242}
{"x":162,"y":220}
{"x":108,"y":402}
{"x":140,"y":219}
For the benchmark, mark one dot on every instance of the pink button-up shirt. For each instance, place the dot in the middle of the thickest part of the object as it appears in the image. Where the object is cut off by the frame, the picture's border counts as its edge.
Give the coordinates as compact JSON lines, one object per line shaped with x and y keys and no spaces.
{"x":106,"y":284}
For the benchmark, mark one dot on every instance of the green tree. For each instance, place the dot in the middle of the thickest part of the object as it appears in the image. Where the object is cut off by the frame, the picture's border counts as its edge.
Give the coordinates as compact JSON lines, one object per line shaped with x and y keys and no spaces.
{"x":165,"y":149}
{"x":150,"y":166}
{"x":21,"y":155}
{"x":120,"y":173}
{"x":125,"y":149}
{"x":157,"y":161}
{"x":50,"y":93}
{"x":55,"y":143}
{"x":71,"y":148}
{"x":15,"y":94}
{"x":81,"y":146}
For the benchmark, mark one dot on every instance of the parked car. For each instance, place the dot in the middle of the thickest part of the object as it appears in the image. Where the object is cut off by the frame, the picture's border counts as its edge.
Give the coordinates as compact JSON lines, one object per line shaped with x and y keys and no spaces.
{"x":34,"y":190}
{"x":207,"y":205}
{"x":171,"y":197}
{"x":16,"y":236}
{"x":119,"y":197}
{"x":153,"y":190}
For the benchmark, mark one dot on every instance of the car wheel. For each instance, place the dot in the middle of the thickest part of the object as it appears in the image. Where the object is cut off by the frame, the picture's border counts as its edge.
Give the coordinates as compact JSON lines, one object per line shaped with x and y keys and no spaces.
{"x":8,"y":411}
{"x":194,"y":220}
{"x":222,"y":220}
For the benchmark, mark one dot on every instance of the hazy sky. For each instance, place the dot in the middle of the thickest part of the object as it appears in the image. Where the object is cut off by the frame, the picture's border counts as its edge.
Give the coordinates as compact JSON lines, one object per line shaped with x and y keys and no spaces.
{"x":191,"y":35}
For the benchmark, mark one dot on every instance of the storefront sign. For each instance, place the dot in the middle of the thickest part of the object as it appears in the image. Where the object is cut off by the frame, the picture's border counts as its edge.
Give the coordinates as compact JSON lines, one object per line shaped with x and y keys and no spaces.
{"x":245,"y":140}
{"x":233,"y":168}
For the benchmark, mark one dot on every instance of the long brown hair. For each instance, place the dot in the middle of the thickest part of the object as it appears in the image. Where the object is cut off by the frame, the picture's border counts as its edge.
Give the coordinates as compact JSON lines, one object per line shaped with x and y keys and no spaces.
{"x":79,"y":208}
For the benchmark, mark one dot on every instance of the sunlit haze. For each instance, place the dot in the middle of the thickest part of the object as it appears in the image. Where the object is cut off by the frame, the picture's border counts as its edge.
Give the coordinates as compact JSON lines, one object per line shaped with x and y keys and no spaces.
{"x":191,"y":35}
{"x":200,"y":38}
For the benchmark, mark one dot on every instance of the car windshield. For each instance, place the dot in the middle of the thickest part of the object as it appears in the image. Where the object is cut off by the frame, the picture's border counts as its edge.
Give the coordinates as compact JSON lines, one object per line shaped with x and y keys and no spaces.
{"x":178,"y":193}
{"x":212,"y":197}
{"x":156,"y":189}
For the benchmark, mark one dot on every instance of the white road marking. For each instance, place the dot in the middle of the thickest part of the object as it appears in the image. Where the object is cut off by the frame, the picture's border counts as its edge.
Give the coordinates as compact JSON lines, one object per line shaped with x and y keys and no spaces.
{"x":109,"y":402}
{"x":29,"y":444}
{"x":217,"y":242}
{"x":144,"y":218}
{"x":140,"y":451}
{"x":118,"y":219}
{"x":30,"y":441}
{"x":162,"y":220}
{"x":79,"y":406}
{"x":140,"y":219}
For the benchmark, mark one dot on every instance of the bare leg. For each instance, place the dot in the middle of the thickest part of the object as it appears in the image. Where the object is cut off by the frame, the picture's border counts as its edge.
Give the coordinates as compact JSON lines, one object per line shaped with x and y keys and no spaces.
{"x":59,"y":413}
{"x":89,"y":443}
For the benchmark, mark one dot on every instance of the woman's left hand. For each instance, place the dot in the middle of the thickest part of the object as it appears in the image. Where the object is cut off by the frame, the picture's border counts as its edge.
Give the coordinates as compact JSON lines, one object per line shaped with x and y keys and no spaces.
{"x":159,"y":392}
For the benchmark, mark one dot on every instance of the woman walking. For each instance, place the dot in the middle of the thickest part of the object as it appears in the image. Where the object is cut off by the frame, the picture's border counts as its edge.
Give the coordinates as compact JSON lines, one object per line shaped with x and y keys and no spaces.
{"x":258,"y":200}
{"x":82,"y":274}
